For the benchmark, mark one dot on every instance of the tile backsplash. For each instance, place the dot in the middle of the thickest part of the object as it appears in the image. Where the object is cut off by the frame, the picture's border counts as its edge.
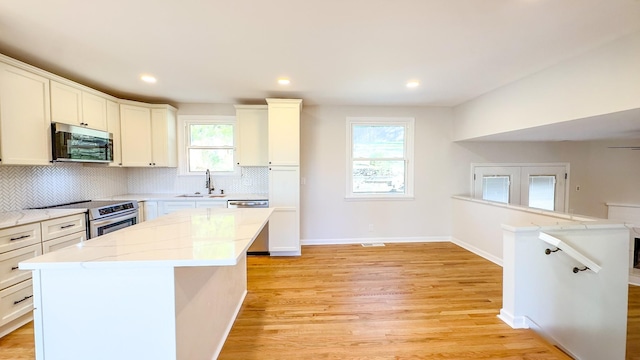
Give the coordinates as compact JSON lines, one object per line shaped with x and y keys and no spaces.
{"x":253,"y":180}
{"x":35,"y":186}
{"x":24,"y":187}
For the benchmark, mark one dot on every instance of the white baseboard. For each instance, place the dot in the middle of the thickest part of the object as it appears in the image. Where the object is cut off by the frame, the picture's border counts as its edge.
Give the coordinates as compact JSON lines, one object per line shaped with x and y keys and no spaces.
{"x":494,"y":259}
{"x":516,"y":322}
{"x":351,"y":241}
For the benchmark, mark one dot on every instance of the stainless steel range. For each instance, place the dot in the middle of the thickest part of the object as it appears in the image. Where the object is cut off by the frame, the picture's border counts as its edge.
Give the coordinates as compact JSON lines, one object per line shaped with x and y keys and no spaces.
{"x":104,"y":217}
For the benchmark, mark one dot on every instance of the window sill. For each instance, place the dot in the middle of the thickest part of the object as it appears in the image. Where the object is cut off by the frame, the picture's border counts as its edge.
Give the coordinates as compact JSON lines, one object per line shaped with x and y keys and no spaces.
{"x":380,"y":198}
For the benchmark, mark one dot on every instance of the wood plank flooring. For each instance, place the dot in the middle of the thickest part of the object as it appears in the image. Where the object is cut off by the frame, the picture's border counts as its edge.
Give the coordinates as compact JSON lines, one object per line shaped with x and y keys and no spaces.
{"x":402,"y":301}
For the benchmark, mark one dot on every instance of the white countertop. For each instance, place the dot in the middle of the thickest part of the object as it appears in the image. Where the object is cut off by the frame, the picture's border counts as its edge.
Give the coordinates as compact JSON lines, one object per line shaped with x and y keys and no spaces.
{"x":177,"y":197}
{"x":21,"y":217}
{"x":192,"y":237}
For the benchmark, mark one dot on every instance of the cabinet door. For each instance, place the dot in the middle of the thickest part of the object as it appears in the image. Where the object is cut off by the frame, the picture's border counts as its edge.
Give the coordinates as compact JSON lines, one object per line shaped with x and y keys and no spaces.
{"x":253,"y":141}
{"x":94,"y":111}
{"x":167,"y":207}
{"x":211,"y":204}
{"x":284,"y":131}
{"x":284,"y":196}
{"x":113,"y":126}
{"x":25,"y":118}
{"x":163,"y":130}
{"x":63,"y":242}
{"x":284,"y":232}
{"x":16,"y":301}
{"x":9,"y":272}
{"x":135,"y":132}
{"x":150,"y":210}
{"x":66,"y":104}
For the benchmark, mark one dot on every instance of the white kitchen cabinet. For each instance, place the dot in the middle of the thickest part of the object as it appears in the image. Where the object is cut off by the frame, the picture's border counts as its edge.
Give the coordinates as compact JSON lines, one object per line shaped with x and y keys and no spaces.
{"x":284,"y":131}
{"x":167,"y":207}
{"x":9,"y":272}
{"x":19,"y":236}
{"x":94,"y":111}
{"x":17,"y":244}
{"x":150,"y":210}
{"x":62,"y":232}
{"x":253,"y":141}
{"x":148,"y":136}
{"x":113,"y":126}
{"x":211,"y":204}
{"x":63,"y":241}
{"x":163,"y":139}
{"x":25,"y":118}
{"x":284,"y":197}
{"x":15,"y":302}
{"x":73,"y":106}
{"x":62,"y":226}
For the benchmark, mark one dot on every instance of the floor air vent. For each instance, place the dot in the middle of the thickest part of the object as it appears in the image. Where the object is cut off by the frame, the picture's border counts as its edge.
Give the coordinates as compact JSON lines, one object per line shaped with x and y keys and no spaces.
{"x":372,"y":244}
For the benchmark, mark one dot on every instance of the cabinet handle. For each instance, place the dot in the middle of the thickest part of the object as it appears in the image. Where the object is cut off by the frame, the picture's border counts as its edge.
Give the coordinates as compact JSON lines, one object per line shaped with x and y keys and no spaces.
{"x":20,"y":237}
{"x":25,"y":299}
{"x":14,"y":268}
{"x":150,"y":164}
{"x":67,"y":226}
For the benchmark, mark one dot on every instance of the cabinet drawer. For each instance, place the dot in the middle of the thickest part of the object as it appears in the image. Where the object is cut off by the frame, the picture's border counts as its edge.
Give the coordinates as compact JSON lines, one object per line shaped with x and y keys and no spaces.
{"x":172,"y":206}
{"x":15,"y":301}
{"x":62,"y":226}
{"x":63,"y":241}
{"x":9,"y":272}
{"x":19,"y":236}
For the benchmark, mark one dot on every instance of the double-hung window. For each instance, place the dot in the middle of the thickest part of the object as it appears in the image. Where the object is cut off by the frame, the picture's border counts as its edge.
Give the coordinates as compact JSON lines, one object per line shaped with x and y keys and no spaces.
{"x":380,"y":158}
{"x":207,"y":142}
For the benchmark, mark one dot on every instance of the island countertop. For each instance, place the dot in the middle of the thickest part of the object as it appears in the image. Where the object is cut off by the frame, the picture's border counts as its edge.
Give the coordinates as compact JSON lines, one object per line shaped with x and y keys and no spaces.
{"x":192,"y":237}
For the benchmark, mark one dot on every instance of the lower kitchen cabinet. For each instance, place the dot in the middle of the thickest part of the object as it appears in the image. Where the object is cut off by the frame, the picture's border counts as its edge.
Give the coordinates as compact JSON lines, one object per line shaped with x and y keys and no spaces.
{"x":167,"y":207}
{"x":63,"y":241}
{"x":15,"y":302}
{"x":21,"y":243}
{"x":284,"y":197}
{"x":150,"y":210}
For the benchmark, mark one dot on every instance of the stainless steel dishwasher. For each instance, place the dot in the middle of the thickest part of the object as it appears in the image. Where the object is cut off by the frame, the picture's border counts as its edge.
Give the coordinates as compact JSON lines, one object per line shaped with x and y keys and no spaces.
{"x":261,"y":244}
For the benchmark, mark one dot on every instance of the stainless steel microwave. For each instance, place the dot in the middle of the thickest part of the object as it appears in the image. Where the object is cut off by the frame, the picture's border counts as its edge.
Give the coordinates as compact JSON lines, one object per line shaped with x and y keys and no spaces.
{"x":81,"y":144}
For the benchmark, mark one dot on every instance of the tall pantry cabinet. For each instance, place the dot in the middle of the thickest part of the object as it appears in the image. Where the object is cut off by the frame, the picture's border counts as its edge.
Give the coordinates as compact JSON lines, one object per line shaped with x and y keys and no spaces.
{"x":284,"y":175}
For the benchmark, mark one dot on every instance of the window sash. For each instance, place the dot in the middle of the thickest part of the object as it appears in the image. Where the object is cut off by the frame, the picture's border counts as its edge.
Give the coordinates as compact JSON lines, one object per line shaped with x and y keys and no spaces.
{"x":186,"y":147}
{"x":378,"y":186}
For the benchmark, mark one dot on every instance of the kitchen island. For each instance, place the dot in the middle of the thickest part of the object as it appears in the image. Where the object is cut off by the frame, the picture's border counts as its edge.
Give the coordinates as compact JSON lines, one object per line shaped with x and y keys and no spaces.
{"x":169,"y":288}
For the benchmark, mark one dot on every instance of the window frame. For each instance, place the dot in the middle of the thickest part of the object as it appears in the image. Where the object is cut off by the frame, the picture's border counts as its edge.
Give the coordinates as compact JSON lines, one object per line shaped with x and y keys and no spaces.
{"x":183,"y":142}
{"x":409,"y":125}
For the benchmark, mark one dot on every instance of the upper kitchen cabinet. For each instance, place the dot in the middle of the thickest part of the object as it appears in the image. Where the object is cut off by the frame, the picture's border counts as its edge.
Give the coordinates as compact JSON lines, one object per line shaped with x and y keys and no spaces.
{"x":25,"y":117}
{"x":148,"y":135}
{"x":113,"y":126}
{"x":252,"y":128}
{"x":284,"y":131}
{"x":71,"y":105}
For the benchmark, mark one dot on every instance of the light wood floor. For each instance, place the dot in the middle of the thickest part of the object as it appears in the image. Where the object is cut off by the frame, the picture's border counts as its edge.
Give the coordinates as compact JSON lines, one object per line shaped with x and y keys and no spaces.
{"x":402,"y":301}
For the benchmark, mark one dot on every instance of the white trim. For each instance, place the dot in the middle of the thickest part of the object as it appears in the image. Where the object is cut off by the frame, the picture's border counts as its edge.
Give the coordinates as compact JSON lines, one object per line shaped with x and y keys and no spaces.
{"x":181,"y":134}
{"x":409,"y":124}
{"x":516,"y":322}
{"x":352,"y":241}
{"x":494,"y":259}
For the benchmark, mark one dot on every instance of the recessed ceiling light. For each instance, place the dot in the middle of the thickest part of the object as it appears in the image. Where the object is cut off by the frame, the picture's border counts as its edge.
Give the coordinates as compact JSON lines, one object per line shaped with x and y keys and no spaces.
{"x":284,"y":81}
{"x":413,"y":83}
{"x":148,"y":79}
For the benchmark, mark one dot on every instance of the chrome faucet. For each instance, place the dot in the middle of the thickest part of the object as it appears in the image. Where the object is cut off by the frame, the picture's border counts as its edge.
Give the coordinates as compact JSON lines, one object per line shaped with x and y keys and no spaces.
{"x":208,"y":183}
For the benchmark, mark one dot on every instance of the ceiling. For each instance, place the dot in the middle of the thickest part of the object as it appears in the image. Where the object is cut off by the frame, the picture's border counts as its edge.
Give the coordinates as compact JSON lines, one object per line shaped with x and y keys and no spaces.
{"x":347,"y":52}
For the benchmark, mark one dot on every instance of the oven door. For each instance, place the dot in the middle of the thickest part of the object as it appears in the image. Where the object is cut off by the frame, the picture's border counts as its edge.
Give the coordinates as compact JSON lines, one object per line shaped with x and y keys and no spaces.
{"x":104,"y":226}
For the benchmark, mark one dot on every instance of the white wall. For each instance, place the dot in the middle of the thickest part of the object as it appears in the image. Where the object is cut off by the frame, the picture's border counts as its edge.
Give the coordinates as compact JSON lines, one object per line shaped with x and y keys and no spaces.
{"x":326,"y":217}
{"x":602,"y":81}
